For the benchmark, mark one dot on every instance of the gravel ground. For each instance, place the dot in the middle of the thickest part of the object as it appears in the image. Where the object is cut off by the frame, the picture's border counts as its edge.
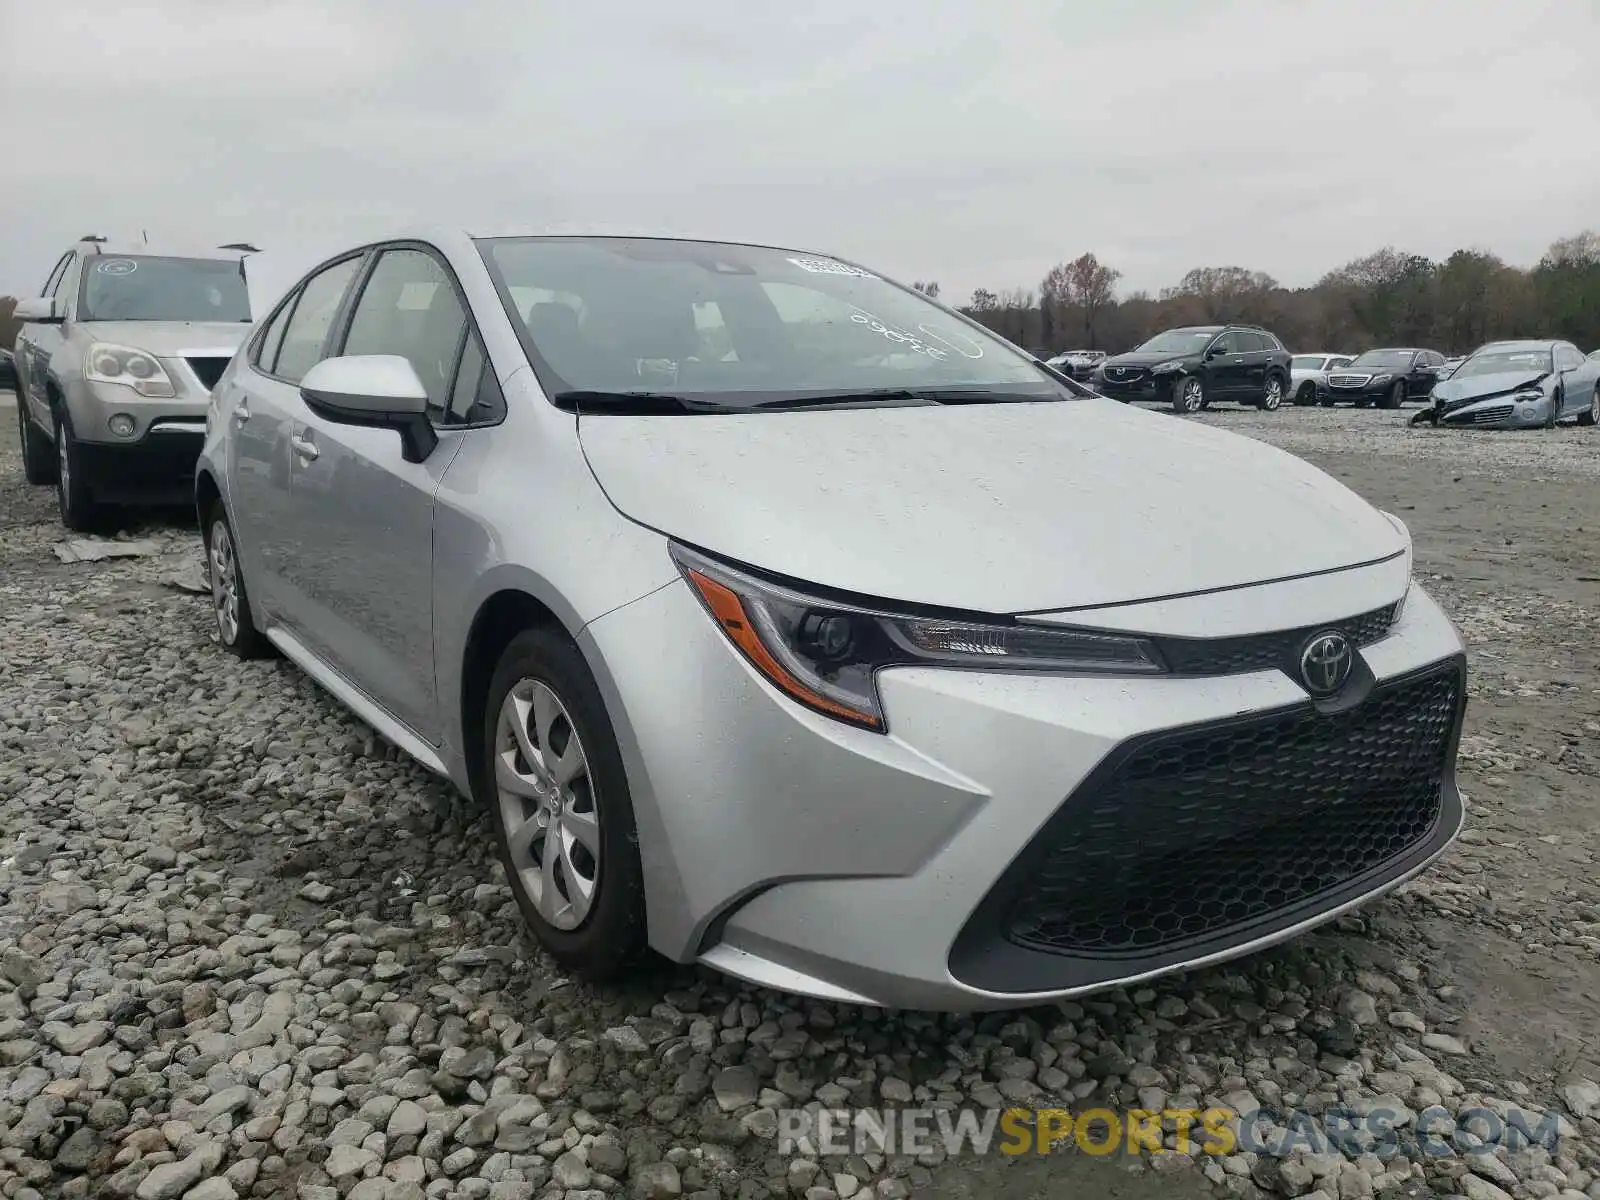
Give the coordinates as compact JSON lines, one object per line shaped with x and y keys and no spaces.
{"x":248,"y":949}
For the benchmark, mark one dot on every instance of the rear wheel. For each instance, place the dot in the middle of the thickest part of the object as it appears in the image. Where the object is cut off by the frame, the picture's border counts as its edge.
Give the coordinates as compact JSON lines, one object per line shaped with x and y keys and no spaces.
{"x":38,"y":459}
{"x":1188,"y":394}
{"x":558,"y":797}
{"x":1591,"y":415}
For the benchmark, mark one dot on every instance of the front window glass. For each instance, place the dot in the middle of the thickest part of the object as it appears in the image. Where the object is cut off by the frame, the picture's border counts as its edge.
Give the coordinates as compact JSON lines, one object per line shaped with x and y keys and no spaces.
{"x":1179,"y":341}
{"x":143,"y":287}
{"x":1385,"y":360}
{"x":735,"y":326}
{"x":1498,"y":360}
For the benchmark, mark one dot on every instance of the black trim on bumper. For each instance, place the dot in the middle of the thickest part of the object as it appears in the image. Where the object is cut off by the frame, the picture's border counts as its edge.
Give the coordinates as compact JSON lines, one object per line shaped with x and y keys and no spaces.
{"x":156,"y":469}
{"x":999,"y":951}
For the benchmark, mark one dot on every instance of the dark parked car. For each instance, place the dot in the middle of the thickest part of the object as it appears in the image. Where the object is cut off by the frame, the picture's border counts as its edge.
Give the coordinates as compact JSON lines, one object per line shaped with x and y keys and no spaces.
{"x":1387,"y":378}
{"x":1191,"y":367}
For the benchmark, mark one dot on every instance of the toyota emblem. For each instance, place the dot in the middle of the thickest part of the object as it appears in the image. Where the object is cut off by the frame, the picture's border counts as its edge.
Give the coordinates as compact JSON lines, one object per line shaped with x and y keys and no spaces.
{"x":1326,"y":663}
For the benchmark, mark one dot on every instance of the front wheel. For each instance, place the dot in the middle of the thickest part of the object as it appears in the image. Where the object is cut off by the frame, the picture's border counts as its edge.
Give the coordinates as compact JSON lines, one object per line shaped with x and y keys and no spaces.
{"x":1306,"y":395}
{"x":1591,"y":415}
{"x":79,"y":511}
{"x":1272,"y":398}
{"x":1188,"y":394}
{"x":230,"y":603}
{"x":1557,"y":403}
{"x":38,"y":460}
{"x":1397,"y":395}
{"x":563,"y":816}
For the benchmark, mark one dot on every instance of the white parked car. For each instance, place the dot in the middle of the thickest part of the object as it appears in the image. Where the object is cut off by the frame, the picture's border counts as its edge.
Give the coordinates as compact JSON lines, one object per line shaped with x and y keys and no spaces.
{"x":1308,"y":374}
{"x":827,"y":651}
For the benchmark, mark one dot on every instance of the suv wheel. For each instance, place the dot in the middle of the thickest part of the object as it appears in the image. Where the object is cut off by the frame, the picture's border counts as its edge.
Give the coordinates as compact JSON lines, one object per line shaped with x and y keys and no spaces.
{"x":230,"y":603}
{"x":38,"y":458}
{"x":79,"y":511}
{"x":558,"y":797}
{"x":1272,"y":398}
{"x":1188,"y":394}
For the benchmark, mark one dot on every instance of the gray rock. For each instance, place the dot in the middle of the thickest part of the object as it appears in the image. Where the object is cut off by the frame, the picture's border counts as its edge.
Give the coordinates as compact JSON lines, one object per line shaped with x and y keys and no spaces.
{"x":735,"y":1088}
{"x":657,"y":1181}
{"x":167,"y":1181}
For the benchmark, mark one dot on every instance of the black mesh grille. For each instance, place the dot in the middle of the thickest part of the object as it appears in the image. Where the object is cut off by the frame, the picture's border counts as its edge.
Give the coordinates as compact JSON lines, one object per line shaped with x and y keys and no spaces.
{"x":208,"y":370}
{"x":1262,"y":652}
{"x":1215,"y":828}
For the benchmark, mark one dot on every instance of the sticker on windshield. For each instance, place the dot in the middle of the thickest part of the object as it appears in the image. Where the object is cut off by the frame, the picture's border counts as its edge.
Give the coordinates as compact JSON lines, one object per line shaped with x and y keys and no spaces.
{"x":118,"y":266}
{"x":825,"y":266}
{"x":912,"y":343}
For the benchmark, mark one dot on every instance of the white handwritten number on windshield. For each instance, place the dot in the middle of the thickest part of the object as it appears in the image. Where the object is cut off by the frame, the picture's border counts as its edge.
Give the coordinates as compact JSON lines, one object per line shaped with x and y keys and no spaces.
{"x":914,"y":344}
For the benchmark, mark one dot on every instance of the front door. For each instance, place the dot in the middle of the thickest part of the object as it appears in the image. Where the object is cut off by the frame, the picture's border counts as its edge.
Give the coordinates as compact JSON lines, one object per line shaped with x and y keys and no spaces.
{"x":1225,"y":369}
{"x":35,"y":345}
{"x":367,"y":574}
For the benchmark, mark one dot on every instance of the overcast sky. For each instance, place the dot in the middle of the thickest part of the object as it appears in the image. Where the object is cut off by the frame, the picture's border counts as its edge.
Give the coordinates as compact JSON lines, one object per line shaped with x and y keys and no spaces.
{"x":971,"y":142}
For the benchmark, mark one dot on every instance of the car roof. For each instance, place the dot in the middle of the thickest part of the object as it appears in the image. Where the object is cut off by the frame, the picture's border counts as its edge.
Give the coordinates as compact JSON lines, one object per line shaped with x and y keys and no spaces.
{"x":1520,"y":344}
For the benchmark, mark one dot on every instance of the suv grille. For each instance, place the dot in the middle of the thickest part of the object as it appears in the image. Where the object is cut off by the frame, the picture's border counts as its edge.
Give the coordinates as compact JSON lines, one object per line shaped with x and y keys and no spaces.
{"x":1212,"y":828}
{"x":1262,"y":652}
{"x":1348,"y":381}
{"x":1124,"y":374}
{"x":208,"y":369}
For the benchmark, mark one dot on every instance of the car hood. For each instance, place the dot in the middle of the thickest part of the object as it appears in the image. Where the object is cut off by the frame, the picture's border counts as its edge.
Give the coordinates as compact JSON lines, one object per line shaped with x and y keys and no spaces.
{"x":170,"y":339}
{"x":992,"y":508}
{"x":1140,"y":358}
{"x":1477,"y":387}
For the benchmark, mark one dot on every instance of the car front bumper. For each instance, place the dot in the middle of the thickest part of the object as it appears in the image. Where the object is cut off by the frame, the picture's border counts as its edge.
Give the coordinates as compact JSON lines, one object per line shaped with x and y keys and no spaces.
{"x":1149,"y":387}
{"x":1499,"y":412}
{"x":1016,"y":838}
{"x":152,"y":458}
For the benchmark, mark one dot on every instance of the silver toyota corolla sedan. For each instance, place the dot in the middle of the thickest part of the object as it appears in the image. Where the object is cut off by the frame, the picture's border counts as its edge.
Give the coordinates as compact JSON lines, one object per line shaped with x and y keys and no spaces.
{"x":787,"y":621}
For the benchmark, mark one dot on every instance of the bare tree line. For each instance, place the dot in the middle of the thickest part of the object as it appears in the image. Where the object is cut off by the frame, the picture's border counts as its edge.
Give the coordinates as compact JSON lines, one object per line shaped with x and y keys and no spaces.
{"x":1388,"y":297}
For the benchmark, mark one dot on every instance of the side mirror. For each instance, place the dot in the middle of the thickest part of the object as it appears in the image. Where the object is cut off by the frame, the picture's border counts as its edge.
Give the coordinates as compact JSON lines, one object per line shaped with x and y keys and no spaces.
{"x":380,"y":391}
{"x":38,"y":310}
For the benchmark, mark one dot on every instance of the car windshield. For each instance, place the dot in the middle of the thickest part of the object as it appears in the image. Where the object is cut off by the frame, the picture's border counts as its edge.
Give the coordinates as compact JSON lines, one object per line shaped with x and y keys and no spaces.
{"x":1306,"y":362}
{"x":149,"y":288}
{"x":1386,"y":360}
{"x":1179,"y":341}
{"x":1506,"y":358}
{"x":733,"y":326}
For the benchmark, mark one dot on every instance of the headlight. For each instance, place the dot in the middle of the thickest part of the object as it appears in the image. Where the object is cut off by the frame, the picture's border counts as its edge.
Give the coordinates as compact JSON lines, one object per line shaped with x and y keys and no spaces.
{"x":826,"y":655}
{"x":107,"y":363}
{"x":1379,"y":379}
{"x":1529,"y":396}
{"x":1167,"y":367}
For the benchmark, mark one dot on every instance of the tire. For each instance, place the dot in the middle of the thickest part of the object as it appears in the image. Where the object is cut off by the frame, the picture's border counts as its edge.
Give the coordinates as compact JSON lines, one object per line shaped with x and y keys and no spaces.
{"x":230,"y":602}
{"x":1188,"y":394}
{"x":1591,"y":415}
{"x":79,"y":510}
{"x":1306,"y":395}
{"x":38,"y":455}
{"x":542,"y":679}
{"x":1396,"y":396}
{"x":1557,"y":403}
{"x":1272,"y":397}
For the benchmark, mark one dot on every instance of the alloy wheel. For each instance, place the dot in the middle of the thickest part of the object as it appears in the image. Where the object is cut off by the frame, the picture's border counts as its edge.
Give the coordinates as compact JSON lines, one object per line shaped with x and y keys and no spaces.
{"x":224,"y":572}
{"x":547,"y":804}
{"x":1192,"y":395}
{"x":1274,"y":395}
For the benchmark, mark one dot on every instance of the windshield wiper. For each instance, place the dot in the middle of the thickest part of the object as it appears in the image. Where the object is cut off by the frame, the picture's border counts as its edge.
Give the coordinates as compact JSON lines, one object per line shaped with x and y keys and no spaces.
{"x":895,"y":397}
{"x":631,"y":403}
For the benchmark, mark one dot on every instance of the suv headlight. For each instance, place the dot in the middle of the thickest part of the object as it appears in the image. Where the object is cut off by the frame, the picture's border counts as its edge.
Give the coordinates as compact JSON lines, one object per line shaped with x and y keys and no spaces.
{"x":826,"y":655}
{"x":1167,"y":368}
{"x":109,"y":363}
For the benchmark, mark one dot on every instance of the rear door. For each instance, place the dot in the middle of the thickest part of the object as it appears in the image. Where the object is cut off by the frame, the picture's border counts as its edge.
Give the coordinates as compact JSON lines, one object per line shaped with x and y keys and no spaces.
{"x":261,"y":403}
{"x":367,"y":572}
{"x":1258,"y":350}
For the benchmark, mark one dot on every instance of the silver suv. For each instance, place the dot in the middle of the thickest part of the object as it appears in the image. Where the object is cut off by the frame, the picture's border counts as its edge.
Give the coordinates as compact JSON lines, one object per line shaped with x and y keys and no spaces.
{"x":115,"y":363}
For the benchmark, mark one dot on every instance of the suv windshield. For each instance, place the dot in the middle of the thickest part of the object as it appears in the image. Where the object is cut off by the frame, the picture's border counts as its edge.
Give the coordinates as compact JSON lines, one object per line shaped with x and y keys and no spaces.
{"x":1385,"y":360}
{"x":148,"y":288}
{"x":1506,"y":358}
{"x":1179,"y":341}
{"x":735,"y":326}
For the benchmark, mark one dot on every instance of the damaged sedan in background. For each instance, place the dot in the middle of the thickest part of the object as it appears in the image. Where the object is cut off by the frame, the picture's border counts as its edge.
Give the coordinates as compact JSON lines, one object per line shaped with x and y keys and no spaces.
{"x":1518,"y":385}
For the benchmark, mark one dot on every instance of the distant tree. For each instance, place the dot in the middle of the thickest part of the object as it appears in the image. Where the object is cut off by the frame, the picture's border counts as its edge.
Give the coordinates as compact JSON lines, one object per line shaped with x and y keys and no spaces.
{"x":983,"y":301}
{"x":929,"y":289}
{"x":1580,"y":250}
{"x":1221,"y":294}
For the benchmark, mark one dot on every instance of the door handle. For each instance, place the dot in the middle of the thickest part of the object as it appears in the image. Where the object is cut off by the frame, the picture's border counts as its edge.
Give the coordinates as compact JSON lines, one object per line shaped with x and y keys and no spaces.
{"x":241,"y":411}
{"x":304,"y":448}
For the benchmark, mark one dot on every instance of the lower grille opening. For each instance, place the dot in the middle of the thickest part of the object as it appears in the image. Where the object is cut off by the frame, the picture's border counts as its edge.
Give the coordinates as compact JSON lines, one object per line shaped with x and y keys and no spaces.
{"x":1208,"y":830}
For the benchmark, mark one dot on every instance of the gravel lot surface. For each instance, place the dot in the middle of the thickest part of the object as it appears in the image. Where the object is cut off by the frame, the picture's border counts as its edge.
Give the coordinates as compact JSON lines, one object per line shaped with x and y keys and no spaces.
{"x":248,"y":949}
